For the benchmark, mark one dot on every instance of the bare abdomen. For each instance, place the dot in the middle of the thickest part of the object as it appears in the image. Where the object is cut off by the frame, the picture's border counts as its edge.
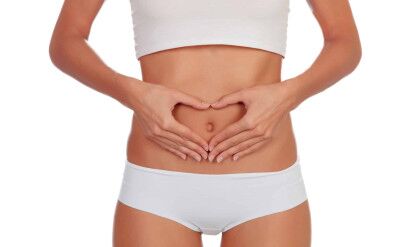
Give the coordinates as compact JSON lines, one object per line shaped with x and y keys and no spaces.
{"x":209,"y":72}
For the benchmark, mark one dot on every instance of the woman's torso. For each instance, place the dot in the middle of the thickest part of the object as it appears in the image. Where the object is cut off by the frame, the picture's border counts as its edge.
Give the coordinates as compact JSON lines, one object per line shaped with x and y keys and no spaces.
{"x":209,"y":72}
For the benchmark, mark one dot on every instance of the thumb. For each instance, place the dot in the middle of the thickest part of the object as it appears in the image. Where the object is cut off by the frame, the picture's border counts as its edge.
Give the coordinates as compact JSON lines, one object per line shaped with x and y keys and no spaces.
{"x":192,"y":101}
{"x":227,"y":100}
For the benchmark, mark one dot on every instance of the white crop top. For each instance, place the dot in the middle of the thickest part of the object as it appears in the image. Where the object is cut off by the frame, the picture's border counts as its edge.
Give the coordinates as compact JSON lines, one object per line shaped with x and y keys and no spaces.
{"x":165,"y":24}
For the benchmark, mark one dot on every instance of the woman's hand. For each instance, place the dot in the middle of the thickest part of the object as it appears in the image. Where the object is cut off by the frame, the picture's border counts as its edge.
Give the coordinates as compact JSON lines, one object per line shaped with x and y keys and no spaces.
{"x":153,"y":105}
{"x":265,"y":105}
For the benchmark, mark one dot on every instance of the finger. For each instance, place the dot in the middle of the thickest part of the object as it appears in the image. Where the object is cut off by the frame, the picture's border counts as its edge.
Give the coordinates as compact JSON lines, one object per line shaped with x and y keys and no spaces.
{"x":233,"y":141}
{"x":192,"y":101}
{"x":240,"y":147}
{"x":184,"y":131}
{"x":170,"y":149}
{"x":228,"y":132}
{"x":181,"y":149}
{"x":178,"y":137}
{"x":248,"y":151}
{"x":179,"y":141}
{"x":228,"y":99}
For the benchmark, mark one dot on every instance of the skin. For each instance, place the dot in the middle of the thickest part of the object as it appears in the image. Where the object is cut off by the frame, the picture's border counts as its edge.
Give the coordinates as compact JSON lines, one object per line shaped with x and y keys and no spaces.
{"x":196,"y":104}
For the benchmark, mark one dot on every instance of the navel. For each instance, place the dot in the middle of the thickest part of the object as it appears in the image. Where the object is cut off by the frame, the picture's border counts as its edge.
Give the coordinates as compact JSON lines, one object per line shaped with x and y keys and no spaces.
{"x":209,"y":127}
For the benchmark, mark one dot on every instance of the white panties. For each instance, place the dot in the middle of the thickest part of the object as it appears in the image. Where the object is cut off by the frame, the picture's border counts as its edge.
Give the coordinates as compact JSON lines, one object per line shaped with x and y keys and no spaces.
{"x":211,"y":203}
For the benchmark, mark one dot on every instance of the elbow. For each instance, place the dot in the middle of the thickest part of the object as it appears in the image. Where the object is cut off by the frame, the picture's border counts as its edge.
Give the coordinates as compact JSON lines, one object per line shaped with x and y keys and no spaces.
{"x":59,"y":48}
{"x":358,"y":53}
{"x":355,"y":49}
{"x":64,"y":42}
{"x":347,"y":50}
{"x":355,"y":54}
{"x":54,"y":51}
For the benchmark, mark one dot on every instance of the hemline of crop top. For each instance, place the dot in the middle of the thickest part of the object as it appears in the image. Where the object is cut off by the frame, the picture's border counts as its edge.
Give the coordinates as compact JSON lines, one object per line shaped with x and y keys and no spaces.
{"x":160,"y":24}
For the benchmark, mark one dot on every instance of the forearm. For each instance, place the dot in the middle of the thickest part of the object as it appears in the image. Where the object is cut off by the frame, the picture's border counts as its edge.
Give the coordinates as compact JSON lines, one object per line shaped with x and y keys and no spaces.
{"x":73,"y":55}
{"x":337,"y":59}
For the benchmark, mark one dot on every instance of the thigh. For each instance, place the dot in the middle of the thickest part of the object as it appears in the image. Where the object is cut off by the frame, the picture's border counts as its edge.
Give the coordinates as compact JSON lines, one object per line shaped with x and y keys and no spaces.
{"x":136,"y":228}
{"x":291,"y":228}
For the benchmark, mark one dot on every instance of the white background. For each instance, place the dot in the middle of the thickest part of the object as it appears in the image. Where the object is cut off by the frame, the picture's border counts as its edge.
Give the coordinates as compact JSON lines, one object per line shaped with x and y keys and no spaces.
{"x":62,"y":144}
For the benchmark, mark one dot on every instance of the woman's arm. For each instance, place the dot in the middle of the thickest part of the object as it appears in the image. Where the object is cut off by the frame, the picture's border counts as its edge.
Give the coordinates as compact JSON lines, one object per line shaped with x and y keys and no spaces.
{"x":267,"y":104}
{"x":152,"y":104}
{"x":71,"y":53}
{"x":340,"y":55}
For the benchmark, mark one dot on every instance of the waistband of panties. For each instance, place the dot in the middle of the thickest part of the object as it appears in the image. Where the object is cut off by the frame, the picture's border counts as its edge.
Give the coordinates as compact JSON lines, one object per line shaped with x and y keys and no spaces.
{"x":295,"y":167}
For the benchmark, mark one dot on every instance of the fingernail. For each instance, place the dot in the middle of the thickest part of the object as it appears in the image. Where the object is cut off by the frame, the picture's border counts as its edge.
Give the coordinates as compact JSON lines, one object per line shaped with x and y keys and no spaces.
{"x":210,"y":148}
{"x":206,"y":147}
{"x":219,"y":159}
{"x":235,"y":157}
{"x":184,"y":157}
{"x":205,"y":156}
{"x":211,"y":157}
{"x":198,"y":158}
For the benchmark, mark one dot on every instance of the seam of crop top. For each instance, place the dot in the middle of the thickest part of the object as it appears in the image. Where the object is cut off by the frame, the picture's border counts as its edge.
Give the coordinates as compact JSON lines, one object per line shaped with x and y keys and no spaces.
{"x":226,"y":41}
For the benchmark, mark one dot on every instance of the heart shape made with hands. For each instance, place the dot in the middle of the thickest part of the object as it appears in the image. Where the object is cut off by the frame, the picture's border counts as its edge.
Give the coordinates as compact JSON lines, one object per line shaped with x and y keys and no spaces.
{"x":218,"y":118}
{"x":247,"y":119}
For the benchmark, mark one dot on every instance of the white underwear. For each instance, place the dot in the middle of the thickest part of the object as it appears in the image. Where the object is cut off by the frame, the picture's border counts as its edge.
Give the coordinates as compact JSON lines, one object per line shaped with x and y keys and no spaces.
{"x":211,"y":203}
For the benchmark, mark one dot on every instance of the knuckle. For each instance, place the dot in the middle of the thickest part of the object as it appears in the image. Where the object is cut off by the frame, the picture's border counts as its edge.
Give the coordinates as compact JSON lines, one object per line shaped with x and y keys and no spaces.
{"x":186,"y":135}
{"x":186,"y":143}
{"x":190,"y":134}
{"x":156,"y":130}
{"x":267,"y":135}
{"x":259,"y":130}
{"x":184,"y":150}
{"x":165,"y":124}
{"x":183,"y":132}
{"x":246,"y":123}
{"x":249,"y":124}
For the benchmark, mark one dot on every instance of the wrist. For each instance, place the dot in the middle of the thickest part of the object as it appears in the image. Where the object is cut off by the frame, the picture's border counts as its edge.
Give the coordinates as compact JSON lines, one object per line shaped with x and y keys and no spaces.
{"x":289,"y":91}
{"x":130,"y":90}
